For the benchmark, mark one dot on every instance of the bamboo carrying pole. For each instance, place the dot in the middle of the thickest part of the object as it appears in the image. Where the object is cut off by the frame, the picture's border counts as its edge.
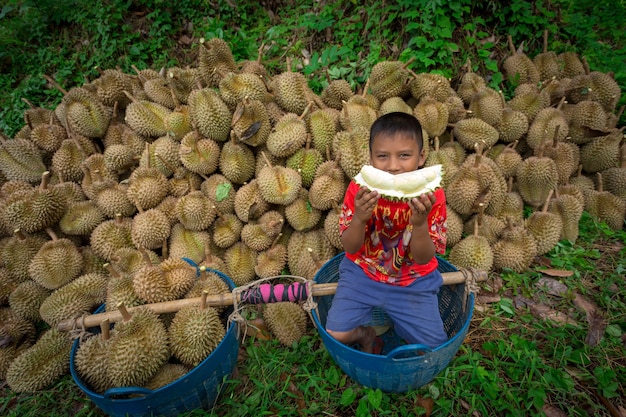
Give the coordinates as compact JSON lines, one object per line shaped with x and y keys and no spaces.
{"x":226,"y":299}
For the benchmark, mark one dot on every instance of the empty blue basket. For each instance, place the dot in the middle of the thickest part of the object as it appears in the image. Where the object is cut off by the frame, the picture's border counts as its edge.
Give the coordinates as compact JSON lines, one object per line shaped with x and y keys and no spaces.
{"x":199,"y":388}
{"x":401,"y":367}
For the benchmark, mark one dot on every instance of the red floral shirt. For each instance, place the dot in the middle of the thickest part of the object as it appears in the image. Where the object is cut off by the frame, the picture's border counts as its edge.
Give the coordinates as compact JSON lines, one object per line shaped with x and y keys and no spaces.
{"x":385,"y":255}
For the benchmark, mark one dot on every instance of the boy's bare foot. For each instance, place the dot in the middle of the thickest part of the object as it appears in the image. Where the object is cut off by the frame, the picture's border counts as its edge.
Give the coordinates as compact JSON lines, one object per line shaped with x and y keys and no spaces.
{"x":366,"y":338}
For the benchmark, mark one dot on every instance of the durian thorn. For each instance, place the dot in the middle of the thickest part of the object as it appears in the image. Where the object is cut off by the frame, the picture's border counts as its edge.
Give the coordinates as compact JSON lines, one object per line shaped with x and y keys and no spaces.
{"x":19,"y":234}
{"x":203,"y":297}
{"x":600,"y":182}
{"x":55,"y":84}
{"x":51,"y":233}
{"x":112,"y":271}
{"x":547,"y":203}
{"x":266,"y":159}
{"x":306,"y":110}
{"x":123,"y":311}
{"x":105,"y":330}
{"x":45,"y":181}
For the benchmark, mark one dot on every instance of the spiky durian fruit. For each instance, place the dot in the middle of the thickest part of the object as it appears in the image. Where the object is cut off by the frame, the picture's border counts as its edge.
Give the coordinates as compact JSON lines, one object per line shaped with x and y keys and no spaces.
{"x":566,"y":156}
{"x":454,"y":224}
{"x":209,"y":114}
{"x":549,"y":123}
{"x":518,"y":67}
{"x":211,"y":283}
{"x":291,"y":91}
{"x":351,"y":150}
{"x":226,"y":230}
{"x":221,"y":191}
{"x":186,"y":243}
{"x":249,"y":203}
{"x":198,"y":154}
{"x":513,"y":124}
{"x":26,"y":299}
{"x":137,"y":349}
{"x":323,"y":127}
{"x":305,"y":161}
{"x":195,"y":211}
{"x":614,"y":179}
{"x":279,"y":184}
{"x":169,"y":373}
{"x":145,"y":117}
{"x":251,"y":122}
{"x":488,"y":226}
{"x":40,"y":365}
{"x":357,"y":112}
{"x":84,"y":293}
{"x":606,"y":207}
{"x":536,"y":176}
{"x":308,"y":251}
{"x":470,"y":83}
{"x":129,"y":260}
{"x":111,"y":235}
{"x":81,"y":218}
{"x":516,"y":248}
{"x":149,"y":229}
{"x":571,"y":65}
{"x":286,"y":320}
{"x":508,"y":160}
{"x":473,"y":251}
{"x":329,"y":185}
{"x":288,"y":135}
{"x":300,"y":214}
{"x":119,"y":158}
{"x":530,"y":100}
{"x":194,"y":333}
{"x":235,"y":87}
{"x":587,"y":120}
{"x":162,"y":154}
{"x":120,"y":288}
{"x":147,"y":187}
{"x":240,"y":260}
{"x":470,"y":131}
{"x":595,"y":86}
{"x":259,"y":235}
{"x":486,"y":104}
{"x":432,"y":114}
{"x":85,"y":113}
{"x":110,"y":86}
{"x":37,"y":209}
{"x":111,"y":197}
{"x":336,"y":92}
{"x":602,"y":152}
{"x":389,"y":79}
{"x":394,"y":104}
{"x":430,"y":84}
{"x":547,"y":62}
{"x":545,"y":227}
{"x":18,"y":251}
{"x":90,"y":359}
{"x":57,"y":262}
{"x":15,"y":330}
{"x":439,"y":157}
{"x":68,"y":159}
{"x":214,"y":58}
{"x":271,"y":262}
{"x":237,"y":161}
{"x":570,"y":209}
{"x":169,"y":280}
{"x":49,"y":136}
{"x":512,"y":204}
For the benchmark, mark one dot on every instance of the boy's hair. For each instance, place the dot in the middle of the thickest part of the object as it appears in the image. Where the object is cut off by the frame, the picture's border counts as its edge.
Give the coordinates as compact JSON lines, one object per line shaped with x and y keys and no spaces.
{"x":397,"y":122}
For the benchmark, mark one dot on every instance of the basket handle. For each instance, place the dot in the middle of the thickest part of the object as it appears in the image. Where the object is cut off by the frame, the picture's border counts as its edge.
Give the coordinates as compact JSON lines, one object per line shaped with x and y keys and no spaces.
{"x":408,"y":348}
{"x":112,"y":392}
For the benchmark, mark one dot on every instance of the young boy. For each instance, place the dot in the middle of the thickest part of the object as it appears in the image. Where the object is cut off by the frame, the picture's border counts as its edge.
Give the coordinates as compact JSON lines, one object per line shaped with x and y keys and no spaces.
{"x":390,"y":247}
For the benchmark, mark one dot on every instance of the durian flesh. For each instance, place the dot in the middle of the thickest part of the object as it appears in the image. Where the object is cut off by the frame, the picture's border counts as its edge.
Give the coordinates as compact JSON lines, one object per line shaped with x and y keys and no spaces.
{"x":402,"y":186}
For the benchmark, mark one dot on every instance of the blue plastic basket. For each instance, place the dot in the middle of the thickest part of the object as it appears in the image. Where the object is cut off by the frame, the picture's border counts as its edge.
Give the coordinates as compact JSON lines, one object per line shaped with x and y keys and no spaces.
{"x":401,"y":367}
{"x":199,"y":388}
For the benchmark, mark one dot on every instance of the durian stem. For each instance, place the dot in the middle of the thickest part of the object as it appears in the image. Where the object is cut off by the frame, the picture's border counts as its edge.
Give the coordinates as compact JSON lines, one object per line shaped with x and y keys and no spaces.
{"x":96,"y":174}
{"x":510,"y":185}
{"x":166,"y":163}
{"x":112,"y":271}
{"x":547,"y":203}
{"x":19,"y":234}
{"x":509,"y":39}
{"x":145,"y":256}
{"x":620,"y":112}
{"x":583,"y":59}
{"x":409,"y":62}
{"x":481,"y":213}
{"x":266,"y":159}
{"x":622,"y":155}
{"x":105,"y":330}
{"x":165,"y":250}
{"x":25,"y":100}
{"x":600,"y":182}
{"x":51,"y":233}
{"x":203,"y":297}
{"x":305,"y":111}
{"x":555,"y":138}
{"x":118,"y":219}
{"x":55,"y":84}
{"x":139,"y":208}
{"x":475,"y":226}
{"x":366,"y":87}
{"x":436,"y":143}
{"x":45,"y":181}
{"x":123,"y":311}
{"x":545,"y":41}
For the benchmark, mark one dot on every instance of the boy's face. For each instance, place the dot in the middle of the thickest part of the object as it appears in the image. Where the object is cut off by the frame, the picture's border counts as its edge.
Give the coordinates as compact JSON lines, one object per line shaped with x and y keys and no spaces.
{"x":396,"y":153}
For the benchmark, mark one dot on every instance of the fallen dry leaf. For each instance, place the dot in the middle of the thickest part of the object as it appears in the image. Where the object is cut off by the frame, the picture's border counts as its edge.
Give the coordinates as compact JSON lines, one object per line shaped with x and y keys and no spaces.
{"x":551,"y":286}
{"x":597,"y":323}
{"x":552,"y":411}
{"x":487,"y":298}
{"x":466,"y":405}
{"x":544,"y":312}
{"x":426,"y":403}
{"x":563,"y":273}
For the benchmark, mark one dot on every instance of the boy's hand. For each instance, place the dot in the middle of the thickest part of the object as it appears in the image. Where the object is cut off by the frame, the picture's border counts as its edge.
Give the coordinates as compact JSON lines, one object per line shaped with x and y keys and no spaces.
{"x":364,"y":203}
{"x":420,"y":207}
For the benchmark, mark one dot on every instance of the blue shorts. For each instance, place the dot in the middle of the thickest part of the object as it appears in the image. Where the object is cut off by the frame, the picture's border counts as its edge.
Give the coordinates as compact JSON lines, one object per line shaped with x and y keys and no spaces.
{"x":413,"y":309}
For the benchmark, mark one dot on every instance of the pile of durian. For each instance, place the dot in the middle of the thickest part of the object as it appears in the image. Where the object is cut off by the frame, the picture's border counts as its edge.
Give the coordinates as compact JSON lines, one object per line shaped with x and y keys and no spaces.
{"x":244,"y":172}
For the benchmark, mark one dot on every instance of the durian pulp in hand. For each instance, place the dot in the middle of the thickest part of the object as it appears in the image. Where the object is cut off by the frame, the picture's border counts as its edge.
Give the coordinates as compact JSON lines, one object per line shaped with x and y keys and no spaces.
{"x":401,"y":186}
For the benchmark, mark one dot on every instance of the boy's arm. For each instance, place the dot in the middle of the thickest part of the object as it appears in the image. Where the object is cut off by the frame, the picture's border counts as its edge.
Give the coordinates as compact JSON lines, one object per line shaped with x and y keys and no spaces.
{"x":422,"y":246}
{"x":364,"y":203}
